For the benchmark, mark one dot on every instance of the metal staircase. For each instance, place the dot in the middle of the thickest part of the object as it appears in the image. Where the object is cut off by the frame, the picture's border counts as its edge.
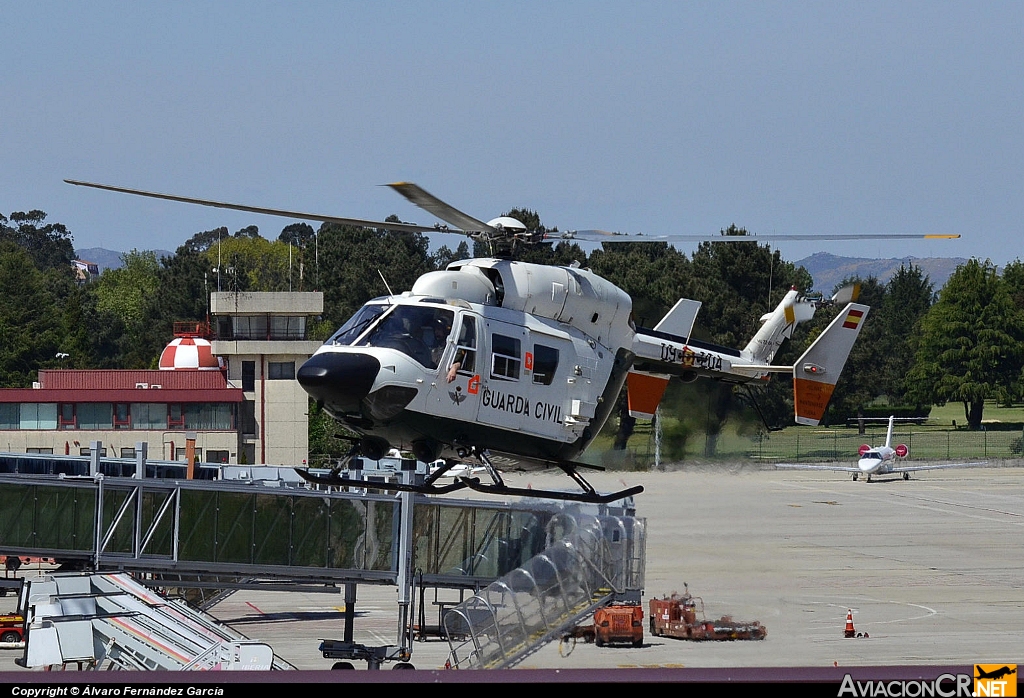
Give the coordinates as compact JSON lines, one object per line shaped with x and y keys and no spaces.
{"x":110,"y":621}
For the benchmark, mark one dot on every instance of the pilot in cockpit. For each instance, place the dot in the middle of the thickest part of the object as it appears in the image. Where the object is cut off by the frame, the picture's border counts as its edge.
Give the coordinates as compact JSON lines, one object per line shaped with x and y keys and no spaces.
{"x":439,"y":339}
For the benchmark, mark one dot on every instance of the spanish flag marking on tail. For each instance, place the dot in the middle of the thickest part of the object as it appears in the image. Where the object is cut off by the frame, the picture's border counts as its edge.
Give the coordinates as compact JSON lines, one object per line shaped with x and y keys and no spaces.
{"x":853,"y":319}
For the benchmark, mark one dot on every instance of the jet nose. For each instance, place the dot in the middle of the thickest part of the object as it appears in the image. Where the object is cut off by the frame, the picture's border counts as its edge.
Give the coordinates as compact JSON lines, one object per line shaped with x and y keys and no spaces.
{"x":339,"y":381}
{"x":868,"y":464}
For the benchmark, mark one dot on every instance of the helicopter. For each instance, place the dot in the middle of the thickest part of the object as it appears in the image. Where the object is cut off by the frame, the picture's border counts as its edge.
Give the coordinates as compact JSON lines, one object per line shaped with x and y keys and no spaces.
{"x":503,"y":365}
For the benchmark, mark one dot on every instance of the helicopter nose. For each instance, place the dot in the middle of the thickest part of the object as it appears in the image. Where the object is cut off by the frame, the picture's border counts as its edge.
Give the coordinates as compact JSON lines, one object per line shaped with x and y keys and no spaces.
{"x":339,"y":381}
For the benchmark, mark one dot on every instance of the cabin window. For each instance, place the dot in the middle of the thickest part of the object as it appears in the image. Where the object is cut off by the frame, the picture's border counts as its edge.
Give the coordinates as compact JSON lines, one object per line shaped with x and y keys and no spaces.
{"x":545,"y":363}
{"x":505,"y":357}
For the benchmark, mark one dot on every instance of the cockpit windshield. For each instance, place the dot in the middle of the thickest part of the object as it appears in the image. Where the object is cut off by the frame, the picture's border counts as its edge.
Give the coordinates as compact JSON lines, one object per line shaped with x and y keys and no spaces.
{"x":419,"y":331}
{"x":357,"y":324}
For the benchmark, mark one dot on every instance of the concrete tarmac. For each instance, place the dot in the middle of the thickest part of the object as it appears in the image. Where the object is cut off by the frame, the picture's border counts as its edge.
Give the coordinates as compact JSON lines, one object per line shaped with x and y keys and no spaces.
{"x":932,"y":569}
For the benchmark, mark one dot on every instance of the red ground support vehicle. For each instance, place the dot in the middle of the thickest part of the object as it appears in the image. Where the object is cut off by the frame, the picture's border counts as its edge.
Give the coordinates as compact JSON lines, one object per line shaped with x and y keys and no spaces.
{"x":12,"y":628}
{"x":619,"y":623}
{"x":677,"y":616}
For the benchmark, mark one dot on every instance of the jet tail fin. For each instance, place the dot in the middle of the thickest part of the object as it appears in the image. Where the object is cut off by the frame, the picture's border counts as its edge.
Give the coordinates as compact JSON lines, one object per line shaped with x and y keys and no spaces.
{"x":888,"y":434}
{"x":816,"y":372}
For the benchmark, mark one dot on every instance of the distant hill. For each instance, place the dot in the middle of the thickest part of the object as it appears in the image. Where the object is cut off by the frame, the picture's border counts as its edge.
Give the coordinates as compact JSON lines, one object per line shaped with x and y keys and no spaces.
{"x":829,"y":271}
{"x":109,"y":259}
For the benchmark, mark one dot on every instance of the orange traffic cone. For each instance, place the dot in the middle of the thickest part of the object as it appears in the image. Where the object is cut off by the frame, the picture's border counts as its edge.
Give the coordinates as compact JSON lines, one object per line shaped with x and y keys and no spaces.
{"x":849,"y":632}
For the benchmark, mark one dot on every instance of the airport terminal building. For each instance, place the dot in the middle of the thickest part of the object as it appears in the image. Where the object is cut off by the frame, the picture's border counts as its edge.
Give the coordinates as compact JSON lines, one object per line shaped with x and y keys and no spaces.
{"x":231,"y":384}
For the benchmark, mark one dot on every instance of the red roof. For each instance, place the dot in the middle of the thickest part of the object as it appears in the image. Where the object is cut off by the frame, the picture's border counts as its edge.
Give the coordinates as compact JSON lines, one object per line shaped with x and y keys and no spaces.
{"x":126,"y":386}
{"x":68,"y":379}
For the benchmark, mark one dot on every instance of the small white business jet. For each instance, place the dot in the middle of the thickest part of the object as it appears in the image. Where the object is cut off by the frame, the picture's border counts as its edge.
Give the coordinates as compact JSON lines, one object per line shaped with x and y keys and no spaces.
{"x":880,"y":460}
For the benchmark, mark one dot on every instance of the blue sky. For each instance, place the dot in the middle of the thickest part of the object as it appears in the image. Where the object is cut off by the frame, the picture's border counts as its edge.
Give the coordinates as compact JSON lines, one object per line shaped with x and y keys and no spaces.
{"x":653,"y":117}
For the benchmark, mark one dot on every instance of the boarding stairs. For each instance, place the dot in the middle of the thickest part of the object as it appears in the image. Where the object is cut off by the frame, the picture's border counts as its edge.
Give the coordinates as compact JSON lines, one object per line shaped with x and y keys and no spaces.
{"x":110,"y":621}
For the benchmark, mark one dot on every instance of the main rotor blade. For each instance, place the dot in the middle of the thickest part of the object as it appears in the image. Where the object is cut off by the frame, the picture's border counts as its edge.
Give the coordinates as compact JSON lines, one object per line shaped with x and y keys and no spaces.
{"x":404,"y":227}
{"x":606,"y":236}
{"x":449,"y":214}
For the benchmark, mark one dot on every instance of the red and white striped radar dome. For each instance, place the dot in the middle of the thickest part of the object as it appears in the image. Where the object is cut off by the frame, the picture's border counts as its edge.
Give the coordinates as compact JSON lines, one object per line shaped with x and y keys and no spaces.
{"x":188,"y":354}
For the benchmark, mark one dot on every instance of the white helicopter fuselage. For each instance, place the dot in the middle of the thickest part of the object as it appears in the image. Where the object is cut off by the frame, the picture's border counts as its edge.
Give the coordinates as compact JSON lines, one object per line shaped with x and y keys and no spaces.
{"x":517,"y":358}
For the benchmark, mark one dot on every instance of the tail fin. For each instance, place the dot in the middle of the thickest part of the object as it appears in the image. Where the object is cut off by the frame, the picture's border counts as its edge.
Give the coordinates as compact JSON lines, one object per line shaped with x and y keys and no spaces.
{"x":888,"y":435}
{"x":816,"y":372}
{"x":777,"y":326}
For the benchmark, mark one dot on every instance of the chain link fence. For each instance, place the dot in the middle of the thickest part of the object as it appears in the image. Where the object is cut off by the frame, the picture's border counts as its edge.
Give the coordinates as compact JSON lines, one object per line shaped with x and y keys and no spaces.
{"x":829,"y":444}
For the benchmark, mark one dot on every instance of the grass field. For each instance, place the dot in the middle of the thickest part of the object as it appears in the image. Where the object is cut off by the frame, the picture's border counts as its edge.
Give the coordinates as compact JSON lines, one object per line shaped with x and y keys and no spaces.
{"x":936,"y":439}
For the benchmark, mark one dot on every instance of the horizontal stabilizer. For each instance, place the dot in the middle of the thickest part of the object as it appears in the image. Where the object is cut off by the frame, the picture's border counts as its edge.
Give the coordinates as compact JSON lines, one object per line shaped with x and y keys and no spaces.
{"x":643,"y":393}
{"x":816,"y":372}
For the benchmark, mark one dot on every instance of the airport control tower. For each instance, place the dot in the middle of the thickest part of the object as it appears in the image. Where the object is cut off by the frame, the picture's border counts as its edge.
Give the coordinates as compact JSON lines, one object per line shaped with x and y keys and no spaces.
{"x":263,"y":339}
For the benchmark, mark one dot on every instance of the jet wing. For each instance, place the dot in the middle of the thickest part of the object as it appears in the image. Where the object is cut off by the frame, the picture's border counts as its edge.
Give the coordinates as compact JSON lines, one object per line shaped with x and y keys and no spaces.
{"x":937,"y":466}
{"x":804,"y":466}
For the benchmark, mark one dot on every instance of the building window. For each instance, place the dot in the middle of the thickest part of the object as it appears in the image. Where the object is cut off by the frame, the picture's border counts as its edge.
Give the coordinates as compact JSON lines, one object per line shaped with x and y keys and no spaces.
{"x":217,"y":457}
{"x":209,"y":417}
{"x":94,"y":415}
{"x":281,"y":370}
{"x":128,"y":452}
{"x":39,"y":450}
{"x":179,"y":454}
{"x":122,"y":416}
{"x":67,"y":416}
{"x":88,"y":452}
{"x":248,"y":376}
{"x":10,"y":415}
{"x":148,"y":415}
{"x":251,"y":327}
{"x":39,"y":415}
{"x":288,"y":327}
{"x":175,"y":416}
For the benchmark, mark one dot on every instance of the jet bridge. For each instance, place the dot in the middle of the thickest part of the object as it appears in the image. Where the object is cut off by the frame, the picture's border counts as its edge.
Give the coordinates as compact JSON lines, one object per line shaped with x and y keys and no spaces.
{"x":280,"y":533}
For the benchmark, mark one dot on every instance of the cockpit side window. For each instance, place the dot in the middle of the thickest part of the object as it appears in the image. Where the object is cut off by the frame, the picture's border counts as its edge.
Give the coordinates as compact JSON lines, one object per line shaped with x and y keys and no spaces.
{"x":465,"y":348}
{"x":418,"y":331}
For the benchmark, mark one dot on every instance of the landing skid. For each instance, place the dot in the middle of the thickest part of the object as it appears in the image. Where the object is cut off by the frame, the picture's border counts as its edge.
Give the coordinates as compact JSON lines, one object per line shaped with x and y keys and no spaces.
{"x":498,"y":487}
{"x":590,"y":497}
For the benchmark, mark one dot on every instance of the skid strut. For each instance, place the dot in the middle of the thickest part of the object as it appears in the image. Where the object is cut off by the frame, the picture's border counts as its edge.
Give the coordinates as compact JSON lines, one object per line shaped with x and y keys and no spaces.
{"x":497,"y":486}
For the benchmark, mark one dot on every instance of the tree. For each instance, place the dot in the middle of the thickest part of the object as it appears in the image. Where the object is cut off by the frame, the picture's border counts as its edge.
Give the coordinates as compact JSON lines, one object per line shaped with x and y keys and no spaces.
{"x":861,"y":380}
{"x":971,"y":342}
{"x":30,"y":325}
{"x":50,"y":246}
{"x":353,"y":260}
{"x":908,"y":296}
